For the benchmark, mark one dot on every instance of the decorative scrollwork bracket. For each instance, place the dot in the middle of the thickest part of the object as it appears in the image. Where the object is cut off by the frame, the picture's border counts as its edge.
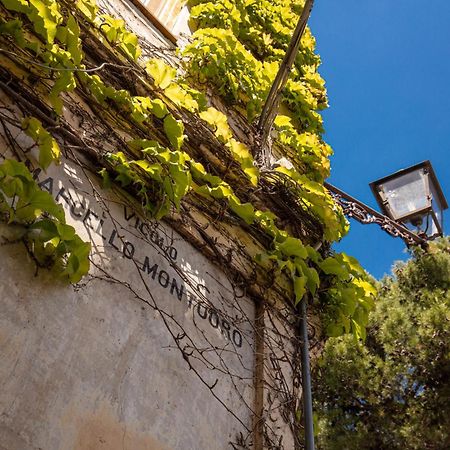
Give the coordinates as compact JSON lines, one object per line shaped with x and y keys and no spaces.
{"x":364,"y":214}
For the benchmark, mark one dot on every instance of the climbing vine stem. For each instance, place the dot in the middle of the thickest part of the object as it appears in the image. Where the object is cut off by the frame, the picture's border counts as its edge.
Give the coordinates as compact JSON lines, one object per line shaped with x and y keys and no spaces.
{"x":236,"y":49}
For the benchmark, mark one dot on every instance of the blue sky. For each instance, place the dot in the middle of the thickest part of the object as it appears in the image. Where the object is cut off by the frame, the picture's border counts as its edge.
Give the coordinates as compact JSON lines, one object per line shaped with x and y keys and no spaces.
{"x":387,"y":68}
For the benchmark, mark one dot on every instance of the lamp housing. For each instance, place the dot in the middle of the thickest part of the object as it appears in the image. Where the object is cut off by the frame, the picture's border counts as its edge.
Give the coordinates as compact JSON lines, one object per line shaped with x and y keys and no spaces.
{"x":413,"y":196}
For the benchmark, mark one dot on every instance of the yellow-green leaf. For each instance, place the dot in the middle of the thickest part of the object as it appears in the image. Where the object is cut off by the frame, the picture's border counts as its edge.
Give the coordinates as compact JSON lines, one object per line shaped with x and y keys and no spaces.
{"x":174,"y":130}
{"x":219,"y":123}
{"x":299,"y":288}
{"x":245,"y":211}
{"x":293,"y":247}
{"x":161,"y":72}
{"x":48,"y":147}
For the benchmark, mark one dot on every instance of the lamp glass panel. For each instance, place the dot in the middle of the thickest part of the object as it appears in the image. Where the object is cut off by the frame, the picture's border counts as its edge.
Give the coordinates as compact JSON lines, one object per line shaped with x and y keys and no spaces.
{"x":435,"y":203}
{"x":407,"y":193}
{"x":429,"y":225}
{"x":434,"y":229}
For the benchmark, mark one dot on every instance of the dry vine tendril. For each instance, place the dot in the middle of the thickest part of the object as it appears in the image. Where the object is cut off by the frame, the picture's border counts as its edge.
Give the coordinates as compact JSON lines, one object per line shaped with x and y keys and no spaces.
{"x":231,"y":40}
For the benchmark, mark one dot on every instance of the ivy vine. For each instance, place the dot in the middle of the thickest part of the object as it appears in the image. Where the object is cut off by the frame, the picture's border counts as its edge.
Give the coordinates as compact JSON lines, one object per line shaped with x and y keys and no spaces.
{"x":40,"y":223}
{"x":237,"y":48}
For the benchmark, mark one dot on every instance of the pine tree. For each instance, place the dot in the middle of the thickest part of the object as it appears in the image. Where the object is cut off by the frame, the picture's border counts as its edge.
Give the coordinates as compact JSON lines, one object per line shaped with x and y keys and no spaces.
{"x":393,"y":391}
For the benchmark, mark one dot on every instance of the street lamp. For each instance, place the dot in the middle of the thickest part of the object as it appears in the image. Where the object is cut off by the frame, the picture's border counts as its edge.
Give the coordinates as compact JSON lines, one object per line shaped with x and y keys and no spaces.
{"x":413,"y":197}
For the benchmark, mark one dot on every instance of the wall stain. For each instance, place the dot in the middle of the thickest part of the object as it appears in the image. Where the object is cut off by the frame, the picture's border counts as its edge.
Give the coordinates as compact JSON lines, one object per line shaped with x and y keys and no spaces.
{"x":102,"y":431}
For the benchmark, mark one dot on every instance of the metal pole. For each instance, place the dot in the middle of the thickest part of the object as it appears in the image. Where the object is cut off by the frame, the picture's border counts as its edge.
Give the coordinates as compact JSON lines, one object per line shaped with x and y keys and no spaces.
{"x":270,"y":109}
{"x":306,"y":378}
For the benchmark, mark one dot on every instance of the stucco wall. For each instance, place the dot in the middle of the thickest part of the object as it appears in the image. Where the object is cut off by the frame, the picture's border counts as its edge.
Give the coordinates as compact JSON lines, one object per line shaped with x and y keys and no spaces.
{"x":97,"y":365}
{"x":156,"y":348}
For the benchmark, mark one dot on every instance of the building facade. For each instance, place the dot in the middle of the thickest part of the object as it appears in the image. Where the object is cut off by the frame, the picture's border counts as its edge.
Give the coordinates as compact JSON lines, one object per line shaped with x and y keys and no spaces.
{"x":184,"y":332}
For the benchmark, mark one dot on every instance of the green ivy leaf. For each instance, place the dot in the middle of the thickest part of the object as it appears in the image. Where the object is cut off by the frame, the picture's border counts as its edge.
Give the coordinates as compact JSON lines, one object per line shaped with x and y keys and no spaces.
{"x":299,"y":288}
{"x":282,"y":121}
{"x":293,"y":247}
{"x":130,"y":45}
{"x":180,"y":97}
{"x":312,"y":277}
{"x":359,"y":323}
{"x":42,"y":201}
{"x":106,"y":180}
{"x":239,"y":150}
{"x":218,"y":192}
{"x":66,"y":232}
{"x":313,"y":255}
{"x":47,"y":229}
{"x":219,"y":124}
{"x":352,"y":263}
{"x":14,"y":28}
{"x":153,"y":170}
{"x":245,"y":211}
{"x":174,"y":130}
{"x":149,"y":147}
{"x":49,"y":237}
{"x":368,"y":288}
{"x":158,"y":108}
{"x":12,"y":186}
{"x":72,"y":40}
{"x":13,"y":168}
{"x":45,"y":18}
{"x":177,"y":185}
{"x":162,"y":73}
{"x":21,"y":6}
{"x":89,"y":9}
{"x":48,"y":148}
{"x":64,"y":83}
{"x":349,"y":301}
{"x":78,"y":262}
{"x":198,"y":170}
{"x":331,"y":266}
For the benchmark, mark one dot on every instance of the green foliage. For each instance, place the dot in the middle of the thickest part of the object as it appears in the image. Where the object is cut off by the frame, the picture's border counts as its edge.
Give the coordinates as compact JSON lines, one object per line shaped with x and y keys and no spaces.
{"x":393,"y":392}
{"x":238,"y":48}
{"x":349,"y":296}
{"x":162,"y":74}
{"x":160,"y":178}
{"x":41,"y":223}
{"x":65,"y":54}
{"x":70,"y":35}
{"x":218,"y":122}
{"x":116,"y":33}
{"x":48,"y":148}
{"x":216,"y":55}
{"x":89,"y":9}
{"x":318,"y":202}
{"x":305,"y":149}
{"x":13,"y":28}
{"x":174,"y":130}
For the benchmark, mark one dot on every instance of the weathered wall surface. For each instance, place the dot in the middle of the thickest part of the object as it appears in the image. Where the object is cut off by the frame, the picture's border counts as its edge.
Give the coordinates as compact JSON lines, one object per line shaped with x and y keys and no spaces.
{"x":158,"y":348}
{"x":152,"y":350}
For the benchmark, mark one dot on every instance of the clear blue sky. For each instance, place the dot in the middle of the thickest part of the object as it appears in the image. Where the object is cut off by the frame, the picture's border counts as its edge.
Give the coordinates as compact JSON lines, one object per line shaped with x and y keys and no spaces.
{"x":387,"y":68}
